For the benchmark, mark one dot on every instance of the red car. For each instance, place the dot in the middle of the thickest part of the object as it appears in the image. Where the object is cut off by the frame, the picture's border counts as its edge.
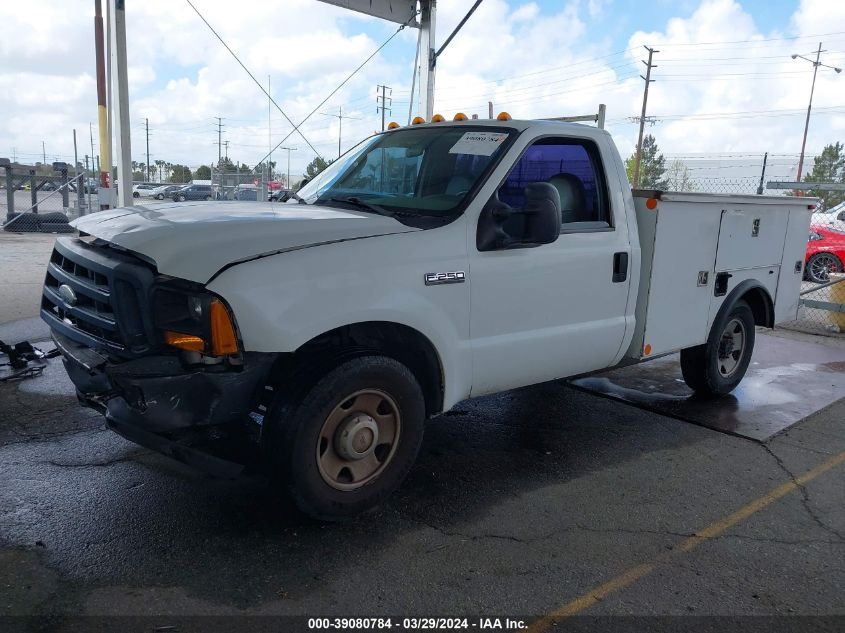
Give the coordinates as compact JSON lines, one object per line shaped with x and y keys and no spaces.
{"x":825,"y":253}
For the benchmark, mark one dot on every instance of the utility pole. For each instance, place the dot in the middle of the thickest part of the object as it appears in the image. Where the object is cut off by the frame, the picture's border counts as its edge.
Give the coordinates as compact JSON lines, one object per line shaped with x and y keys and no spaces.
{"x":763,"y":174}
{"x":490,"y":110}
{"x":219,"y":146}
{"x":269,"y":126}
{"x":147,"y":125}
{"x":648,"y":81}
{"x":383,"y":102}
{"x":43,"y":153}
{"x":91,"y":135}
{"x":76,"y":180}
{"x":226,"y":151}
{"x":340,"y":116}
{"x":816,"y":65}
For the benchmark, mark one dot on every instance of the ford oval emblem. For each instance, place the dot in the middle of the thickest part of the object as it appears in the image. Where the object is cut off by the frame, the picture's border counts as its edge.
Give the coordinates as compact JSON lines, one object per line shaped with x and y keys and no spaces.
{"x":67,"y":293}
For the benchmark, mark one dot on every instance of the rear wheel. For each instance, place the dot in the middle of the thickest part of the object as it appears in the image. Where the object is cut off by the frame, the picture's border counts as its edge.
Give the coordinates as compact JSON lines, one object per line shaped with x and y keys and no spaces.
{"x":136,"y":195}
{"x":718,"y":366}
{"x":181,"y":198}
{"x":349,"y":441}
{"x":820,"y":265}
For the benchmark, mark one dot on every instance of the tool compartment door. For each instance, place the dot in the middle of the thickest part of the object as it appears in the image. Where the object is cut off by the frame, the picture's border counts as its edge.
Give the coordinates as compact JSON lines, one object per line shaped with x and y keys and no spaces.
{"x":751,"y":237}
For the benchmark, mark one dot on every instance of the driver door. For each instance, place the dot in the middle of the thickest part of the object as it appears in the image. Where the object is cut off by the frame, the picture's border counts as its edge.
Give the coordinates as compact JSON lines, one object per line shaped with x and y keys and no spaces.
{"x":558,"y":309}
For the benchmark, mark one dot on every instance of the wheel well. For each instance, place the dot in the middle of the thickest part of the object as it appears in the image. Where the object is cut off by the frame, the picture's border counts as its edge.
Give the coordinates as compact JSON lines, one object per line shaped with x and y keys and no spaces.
{"x":400,"y":342}
{"x":761,"y":306}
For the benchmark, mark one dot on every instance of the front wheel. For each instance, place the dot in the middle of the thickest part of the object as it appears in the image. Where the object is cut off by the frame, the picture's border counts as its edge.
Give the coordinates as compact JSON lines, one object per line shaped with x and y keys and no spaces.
{"x":136,"y":195}
{"x":718,"y":366}
{"x":350,"y":440}
{"x":181,"y":198}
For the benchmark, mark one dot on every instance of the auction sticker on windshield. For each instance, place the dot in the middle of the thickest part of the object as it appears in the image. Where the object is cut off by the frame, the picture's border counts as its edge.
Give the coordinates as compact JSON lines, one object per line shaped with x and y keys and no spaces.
{"x":479,"y":143}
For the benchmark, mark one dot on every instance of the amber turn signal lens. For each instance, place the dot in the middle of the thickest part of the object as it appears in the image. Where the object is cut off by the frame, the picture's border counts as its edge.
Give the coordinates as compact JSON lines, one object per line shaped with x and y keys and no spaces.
{"x":184,"y":341}
{"x":460,"y":116}
{"x":223,"y":339}
{"x":392,"y":125}
{"x":438,"y":118}
{"x":417,"y":120}
{"x":503,"y":116}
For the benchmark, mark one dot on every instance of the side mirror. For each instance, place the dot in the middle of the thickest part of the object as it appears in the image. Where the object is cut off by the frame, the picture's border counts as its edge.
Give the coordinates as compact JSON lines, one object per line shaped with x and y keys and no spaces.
{"x":542,"y":213}
{"x":841,"y":216}
{"x":538,"y":222}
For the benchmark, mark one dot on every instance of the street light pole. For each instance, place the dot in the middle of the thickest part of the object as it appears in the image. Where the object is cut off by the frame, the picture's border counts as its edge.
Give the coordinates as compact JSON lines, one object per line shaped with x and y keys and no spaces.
{"x":289,"y":150}
{"x":816,"y":65}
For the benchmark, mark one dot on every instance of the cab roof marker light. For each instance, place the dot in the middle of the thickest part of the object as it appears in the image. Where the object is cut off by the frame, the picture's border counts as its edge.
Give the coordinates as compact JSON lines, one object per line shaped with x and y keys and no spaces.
{"x":392,"y":125}
{"x":460,"y":116}
{"x":417,"y":120}
{"x":503,"y":116}
{"x":438,"y":118}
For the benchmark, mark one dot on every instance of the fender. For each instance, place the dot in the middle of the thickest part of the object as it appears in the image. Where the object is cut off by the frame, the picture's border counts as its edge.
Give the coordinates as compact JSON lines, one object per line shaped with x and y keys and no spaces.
{"x":764,"y":311}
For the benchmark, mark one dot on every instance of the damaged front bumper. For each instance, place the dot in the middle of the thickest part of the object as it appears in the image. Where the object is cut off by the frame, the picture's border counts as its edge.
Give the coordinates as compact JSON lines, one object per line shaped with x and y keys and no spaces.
{"x":200,"y":417}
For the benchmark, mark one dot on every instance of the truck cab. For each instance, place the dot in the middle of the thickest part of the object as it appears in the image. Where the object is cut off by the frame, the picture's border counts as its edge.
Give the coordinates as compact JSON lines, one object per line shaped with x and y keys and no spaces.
{"x":429,"y":264}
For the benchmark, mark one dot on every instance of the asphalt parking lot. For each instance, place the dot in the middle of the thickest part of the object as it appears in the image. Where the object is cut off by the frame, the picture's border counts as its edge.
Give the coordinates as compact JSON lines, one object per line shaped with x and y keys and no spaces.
{"x":545,"y":501}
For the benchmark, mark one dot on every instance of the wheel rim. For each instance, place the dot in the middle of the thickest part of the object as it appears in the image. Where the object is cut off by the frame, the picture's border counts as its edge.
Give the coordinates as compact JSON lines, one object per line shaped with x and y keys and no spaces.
{"x":731,"y":347}
{"x":822,"y":265}
{"x":358,"y":439}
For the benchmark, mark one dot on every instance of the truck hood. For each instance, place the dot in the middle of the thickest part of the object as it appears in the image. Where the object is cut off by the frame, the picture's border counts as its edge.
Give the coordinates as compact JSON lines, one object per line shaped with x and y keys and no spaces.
{"x":195,"y":241}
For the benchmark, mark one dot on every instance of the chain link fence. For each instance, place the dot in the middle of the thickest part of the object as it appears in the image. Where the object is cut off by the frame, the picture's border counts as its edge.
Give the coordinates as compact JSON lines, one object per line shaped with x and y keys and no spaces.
{"x":822,"y":307}
{"x":36,"y":200}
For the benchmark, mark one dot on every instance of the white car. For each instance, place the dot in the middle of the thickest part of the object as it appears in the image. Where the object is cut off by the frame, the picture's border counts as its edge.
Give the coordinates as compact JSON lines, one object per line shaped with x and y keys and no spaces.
{"x":143,"y":190}
{"x":833,"y":217}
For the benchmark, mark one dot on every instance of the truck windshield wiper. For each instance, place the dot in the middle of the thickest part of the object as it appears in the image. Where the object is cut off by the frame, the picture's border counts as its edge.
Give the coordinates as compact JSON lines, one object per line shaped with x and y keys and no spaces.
{"x":361,"y":204}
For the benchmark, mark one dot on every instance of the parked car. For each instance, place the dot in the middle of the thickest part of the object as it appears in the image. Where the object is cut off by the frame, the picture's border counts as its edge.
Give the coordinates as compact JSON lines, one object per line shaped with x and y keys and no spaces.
{"x":143,"y":189}
{"x":246,"y":194}
{"x":825,"y":253}
{"x":834,"y":216}
{"x":193,"y":192}
{"x":165,"y":191}
{"x":323,"y":335}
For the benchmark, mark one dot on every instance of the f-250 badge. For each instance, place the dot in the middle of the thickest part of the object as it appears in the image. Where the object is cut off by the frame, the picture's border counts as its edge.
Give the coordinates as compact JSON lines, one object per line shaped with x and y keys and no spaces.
{"x":435,"y":279}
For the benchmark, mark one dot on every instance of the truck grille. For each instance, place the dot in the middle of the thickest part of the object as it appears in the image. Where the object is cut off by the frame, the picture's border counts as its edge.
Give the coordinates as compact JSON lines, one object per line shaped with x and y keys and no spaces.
{"x":98,"y":297}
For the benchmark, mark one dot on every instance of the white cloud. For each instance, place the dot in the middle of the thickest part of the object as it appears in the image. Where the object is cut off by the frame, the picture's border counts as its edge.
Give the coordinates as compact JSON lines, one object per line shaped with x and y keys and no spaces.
{"x":531,"y":61}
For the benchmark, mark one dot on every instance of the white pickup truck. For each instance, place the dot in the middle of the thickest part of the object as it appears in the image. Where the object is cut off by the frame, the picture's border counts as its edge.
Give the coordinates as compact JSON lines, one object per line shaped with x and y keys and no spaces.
{"x":430,"y":264}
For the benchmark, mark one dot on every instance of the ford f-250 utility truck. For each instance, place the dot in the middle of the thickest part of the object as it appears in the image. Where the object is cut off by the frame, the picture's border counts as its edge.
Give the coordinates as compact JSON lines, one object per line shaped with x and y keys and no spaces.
{"x":431,"y":263}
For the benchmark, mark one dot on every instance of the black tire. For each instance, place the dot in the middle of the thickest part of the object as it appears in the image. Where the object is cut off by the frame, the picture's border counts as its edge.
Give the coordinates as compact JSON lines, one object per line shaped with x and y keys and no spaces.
{"x":716,"y":368}
{"x":295,"y":442}
{"x":820,"y":265}
{"x":136,"y":195}
{"x":52,"y":218}
{"x":181,"y":198}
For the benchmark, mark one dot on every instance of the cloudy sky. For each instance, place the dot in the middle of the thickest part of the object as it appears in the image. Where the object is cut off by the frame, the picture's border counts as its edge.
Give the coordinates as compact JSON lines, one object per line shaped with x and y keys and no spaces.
{"x":726,"y":88}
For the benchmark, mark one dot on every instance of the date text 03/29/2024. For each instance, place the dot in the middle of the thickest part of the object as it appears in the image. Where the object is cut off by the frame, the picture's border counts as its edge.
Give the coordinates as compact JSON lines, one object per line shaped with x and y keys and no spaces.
{"x":413,"y":624}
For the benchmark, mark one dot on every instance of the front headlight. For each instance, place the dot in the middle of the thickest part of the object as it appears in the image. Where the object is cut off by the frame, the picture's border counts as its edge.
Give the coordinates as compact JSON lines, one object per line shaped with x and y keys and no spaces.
{"x":815,"y":237}
{"x":195,"y":321}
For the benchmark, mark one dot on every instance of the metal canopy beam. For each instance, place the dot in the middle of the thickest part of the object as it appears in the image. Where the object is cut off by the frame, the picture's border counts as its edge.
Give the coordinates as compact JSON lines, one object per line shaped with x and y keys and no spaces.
{"x":398,"y":11}
{"x":806,"y":186}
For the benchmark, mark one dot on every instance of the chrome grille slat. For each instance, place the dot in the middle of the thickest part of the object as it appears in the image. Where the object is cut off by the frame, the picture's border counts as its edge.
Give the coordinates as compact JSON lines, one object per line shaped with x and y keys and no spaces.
{"x":109,"y":288}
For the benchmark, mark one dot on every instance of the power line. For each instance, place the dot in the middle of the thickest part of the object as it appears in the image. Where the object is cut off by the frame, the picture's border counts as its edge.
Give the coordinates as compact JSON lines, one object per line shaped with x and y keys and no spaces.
{"x":257,"y":83}
{"x":343,"y":83}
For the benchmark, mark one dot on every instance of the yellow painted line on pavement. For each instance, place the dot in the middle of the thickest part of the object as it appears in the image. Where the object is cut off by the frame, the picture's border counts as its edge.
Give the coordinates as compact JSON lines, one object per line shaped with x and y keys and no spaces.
{"x":632,"y":575}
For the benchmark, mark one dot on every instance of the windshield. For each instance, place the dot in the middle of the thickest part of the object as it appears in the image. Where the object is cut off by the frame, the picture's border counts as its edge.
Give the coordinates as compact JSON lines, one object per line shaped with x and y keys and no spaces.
{"x":423,"y":171}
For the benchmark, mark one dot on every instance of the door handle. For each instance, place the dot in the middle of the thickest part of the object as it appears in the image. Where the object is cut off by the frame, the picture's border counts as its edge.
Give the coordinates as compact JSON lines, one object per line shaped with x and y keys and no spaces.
{"x":620,"y":267}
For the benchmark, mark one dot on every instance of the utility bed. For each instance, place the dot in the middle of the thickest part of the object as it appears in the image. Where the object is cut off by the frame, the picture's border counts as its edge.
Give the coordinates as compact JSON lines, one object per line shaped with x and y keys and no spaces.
{"x":697,"y":247}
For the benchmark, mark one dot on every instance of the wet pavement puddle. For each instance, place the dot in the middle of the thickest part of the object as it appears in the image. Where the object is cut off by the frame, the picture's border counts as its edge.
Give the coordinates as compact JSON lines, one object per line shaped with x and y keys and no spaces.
{"x":786,"y":382}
